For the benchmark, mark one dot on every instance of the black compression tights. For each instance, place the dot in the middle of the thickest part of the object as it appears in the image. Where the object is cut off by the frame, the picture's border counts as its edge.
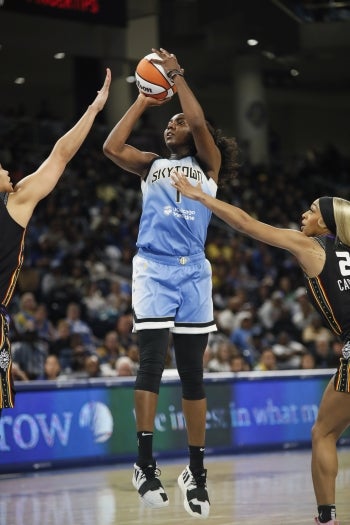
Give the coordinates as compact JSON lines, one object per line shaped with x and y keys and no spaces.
{"x":189,"y":351}
{"x":153,"y":349}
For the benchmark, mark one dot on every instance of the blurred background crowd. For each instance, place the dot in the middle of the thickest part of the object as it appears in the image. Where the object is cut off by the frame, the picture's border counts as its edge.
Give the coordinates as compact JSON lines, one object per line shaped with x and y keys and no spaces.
{"x":71,"y":313}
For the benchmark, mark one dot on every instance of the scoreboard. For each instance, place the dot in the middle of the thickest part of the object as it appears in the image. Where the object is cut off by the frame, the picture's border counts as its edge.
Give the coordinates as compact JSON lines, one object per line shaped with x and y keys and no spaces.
{"x":104,"y":12}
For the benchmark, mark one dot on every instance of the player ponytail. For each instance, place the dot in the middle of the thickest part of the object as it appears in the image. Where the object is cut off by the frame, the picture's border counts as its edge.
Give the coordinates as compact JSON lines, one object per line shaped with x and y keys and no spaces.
{"x":342,"y":219}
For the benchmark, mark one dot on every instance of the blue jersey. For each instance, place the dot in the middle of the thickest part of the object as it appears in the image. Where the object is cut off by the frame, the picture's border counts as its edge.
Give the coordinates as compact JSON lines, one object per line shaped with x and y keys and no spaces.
{"x":170,"y":223}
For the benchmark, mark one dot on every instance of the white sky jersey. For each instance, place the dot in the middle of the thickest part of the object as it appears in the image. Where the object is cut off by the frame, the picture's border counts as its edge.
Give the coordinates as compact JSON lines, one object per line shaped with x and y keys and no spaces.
{"x":170,"y":223}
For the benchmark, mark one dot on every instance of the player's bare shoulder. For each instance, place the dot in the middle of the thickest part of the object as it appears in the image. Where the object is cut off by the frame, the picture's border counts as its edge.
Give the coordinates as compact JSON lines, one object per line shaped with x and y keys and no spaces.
{"x":311,"y":257}
{"x":21,"y":205}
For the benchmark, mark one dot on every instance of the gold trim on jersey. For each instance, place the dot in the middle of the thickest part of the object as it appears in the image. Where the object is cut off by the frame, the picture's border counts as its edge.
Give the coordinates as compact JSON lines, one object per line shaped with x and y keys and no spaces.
{"x":320,"y":296}
{"x":15,"y":274}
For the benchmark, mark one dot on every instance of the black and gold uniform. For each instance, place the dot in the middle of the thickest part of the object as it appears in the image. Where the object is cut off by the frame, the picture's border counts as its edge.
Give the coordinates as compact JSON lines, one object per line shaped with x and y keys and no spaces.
{"x":330,"y":294}
{"x":11,"y":259}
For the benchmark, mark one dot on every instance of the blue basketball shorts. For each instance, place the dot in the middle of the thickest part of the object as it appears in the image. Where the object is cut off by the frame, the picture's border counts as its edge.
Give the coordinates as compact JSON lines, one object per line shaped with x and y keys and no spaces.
{"x":172,"y":292}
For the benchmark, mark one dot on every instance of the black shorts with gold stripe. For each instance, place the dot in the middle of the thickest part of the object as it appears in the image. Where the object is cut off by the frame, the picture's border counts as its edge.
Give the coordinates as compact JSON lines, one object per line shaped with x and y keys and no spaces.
{"x":7,"y":392}
{"x":342,"y":377}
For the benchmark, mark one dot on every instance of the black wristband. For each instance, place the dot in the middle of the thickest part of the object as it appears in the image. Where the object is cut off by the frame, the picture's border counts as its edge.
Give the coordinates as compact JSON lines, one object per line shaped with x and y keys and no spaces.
{"x":173,"y":72}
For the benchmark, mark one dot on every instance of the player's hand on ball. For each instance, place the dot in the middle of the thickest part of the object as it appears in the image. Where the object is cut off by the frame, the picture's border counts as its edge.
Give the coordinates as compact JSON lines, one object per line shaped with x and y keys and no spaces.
{"x":150,"y":101}
{"x":167,"y":60}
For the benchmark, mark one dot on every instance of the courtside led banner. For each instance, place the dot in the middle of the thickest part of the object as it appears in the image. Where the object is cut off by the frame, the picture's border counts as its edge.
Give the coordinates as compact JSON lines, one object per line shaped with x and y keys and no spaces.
{"x":57,"y":424}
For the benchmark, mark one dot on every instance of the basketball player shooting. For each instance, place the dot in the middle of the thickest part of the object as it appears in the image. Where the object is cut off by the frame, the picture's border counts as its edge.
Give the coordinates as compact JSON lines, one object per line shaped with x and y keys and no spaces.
{"x":172,"y":289}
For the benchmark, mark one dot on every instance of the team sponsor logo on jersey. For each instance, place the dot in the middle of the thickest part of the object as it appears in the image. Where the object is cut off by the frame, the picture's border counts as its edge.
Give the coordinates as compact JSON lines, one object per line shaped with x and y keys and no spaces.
{"x":188,"y":215}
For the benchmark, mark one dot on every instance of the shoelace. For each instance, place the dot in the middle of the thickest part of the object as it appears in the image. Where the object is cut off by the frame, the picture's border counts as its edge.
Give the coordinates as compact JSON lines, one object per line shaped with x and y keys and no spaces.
{"x":151,"y":472}
{"x":199,"y":479}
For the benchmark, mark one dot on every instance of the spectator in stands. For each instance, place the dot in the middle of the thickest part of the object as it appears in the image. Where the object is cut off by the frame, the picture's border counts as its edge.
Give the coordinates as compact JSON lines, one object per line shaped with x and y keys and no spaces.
{"x":43,"y":252}
{"x":263,"y":292}
{"x":267,"y":361}
{"x":52,"y":368}
{"x":30,"y":354}
{"x":92,"y":366}
{"x":323,"y":352}
{"x":123,"y":326}
{"x":80,"y":352}
{"x":288,"y":351}
{"x":94,"y":301}
{"x":286,"y":287}
{"x":133,"y":351}
{"x":43,"y":325}
{"x":78,"y":326}
{"x":238,"y":363}
{"x":307,"y":361}
{"x":315,"y":328}
{"x":124,"y":366}
{"x":109,"y":351}
{"x":226,"y":318}
{"x":303,"y":310}
{"x":53,"y":279}
{"x":61,"y":346}
{"x":242,"y":336}
{"x":118,"y":298}
{"x":270,"y":311}
{"x":78,"y":277}
{"x":221,"y":361}
{"x":25,"y":316}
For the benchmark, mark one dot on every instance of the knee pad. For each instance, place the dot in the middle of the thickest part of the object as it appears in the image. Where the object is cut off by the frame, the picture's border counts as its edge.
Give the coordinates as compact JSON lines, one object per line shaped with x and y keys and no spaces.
{"x":153,"y":348}
{"x":189,"y":351}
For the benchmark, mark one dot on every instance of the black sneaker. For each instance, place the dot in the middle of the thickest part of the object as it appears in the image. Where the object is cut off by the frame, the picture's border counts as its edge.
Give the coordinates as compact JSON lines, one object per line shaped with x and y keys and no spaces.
{"x":194,"y":489}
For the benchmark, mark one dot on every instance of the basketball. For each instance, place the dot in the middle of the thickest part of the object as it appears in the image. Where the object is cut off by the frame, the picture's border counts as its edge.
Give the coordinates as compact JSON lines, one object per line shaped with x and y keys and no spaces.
{"x":152,"y":80}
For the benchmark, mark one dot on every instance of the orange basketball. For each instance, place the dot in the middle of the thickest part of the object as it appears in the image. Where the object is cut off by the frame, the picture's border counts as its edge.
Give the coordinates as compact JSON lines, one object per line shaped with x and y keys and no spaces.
{"x":152,"y":80}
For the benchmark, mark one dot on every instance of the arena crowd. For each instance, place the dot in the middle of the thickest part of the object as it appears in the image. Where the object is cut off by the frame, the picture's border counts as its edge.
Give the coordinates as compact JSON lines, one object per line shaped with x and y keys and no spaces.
{"x":71,"y":312}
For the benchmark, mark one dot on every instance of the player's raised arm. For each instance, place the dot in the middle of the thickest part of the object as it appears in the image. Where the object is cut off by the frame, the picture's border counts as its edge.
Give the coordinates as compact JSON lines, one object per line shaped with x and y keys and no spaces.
{"x":34,"y":187}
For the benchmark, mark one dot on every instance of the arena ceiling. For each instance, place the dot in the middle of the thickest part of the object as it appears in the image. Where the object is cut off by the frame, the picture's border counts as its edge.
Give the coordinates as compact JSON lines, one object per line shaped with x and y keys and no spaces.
{"x":310,"y":37}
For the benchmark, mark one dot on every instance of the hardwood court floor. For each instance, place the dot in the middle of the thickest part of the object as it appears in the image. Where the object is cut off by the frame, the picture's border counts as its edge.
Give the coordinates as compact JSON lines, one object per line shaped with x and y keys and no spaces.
{"x":254,"y":489}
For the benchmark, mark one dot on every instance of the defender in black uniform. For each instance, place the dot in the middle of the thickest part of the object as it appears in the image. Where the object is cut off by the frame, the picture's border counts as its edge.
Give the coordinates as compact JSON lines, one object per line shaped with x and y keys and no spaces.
{"x":16,"y":208}
{"x":322,"y":248}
